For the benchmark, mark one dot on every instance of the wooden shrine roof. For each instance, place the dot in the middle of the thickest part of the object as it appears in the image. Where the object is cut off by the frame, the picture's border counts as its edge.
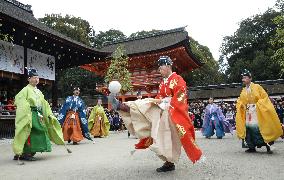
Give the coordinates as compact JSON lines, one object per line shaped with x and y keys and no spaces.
{"x":12,"y":8}
{"x":155,"y":42}
{"x":20,"y":15}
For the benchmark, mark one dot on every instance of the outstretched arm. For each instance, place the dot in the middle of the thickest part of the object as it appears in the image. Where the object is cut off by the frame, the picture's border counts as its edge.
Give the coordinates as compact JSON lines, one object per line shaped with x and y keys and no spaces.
{"x":116,"y":105}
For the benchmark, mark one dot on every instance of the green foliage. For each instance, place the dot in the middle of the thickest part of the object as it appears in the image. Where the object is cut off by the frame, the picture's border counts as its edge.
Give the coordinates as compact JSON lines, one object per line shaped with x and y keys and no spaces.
{"x":73,"y":27}
{"x":209,"y":72}
{"x":277,"y":41}
{"x":68,"y":79}
{"x":79,"y":30}
{"x":6,"y":37}
{"x":118,"y":70}
{"x":143,"y":33}
{"x":108,"y":36}
{"x":250,"y":48}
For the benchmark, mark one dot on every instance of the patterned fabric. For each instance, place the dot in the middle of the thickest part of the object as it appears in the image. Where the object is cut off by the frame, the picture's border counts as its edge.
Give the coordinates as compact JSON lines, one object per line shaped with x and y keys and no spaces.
{"x":215,"y":120}
{"x":174,"y":86}
{"x":72,"y":127}
{"x":98,"y":122}
{"x":76,"y":104}
{"x":267,"y":119}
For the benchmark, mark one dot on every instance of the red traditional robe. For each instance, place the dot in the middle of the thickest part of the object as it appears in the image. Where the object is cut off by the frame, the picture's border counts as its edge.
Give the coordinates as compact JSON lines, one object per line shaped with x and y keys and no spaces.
{"x":175,"y":87}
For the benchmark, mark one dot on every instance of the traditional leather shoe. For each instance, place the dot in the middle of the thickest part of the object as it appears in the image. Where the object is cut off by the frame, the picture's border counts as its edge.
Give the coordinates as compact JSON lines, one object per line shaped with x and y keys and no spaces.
{"x":25,"y":157}
{"x":144,"y":143}
{"x":250,"y":150}
{"x":28,"y":158}
{"x":16,"y":157}
{"x":166,"y":167}
{"x":268,"y":150}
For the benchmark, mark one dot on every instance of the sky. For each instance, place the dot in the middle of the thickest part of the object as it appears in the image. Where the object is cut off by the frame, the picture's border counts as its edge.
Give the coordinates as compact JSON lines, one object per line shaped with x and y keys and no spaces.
{"x":207,"y":21}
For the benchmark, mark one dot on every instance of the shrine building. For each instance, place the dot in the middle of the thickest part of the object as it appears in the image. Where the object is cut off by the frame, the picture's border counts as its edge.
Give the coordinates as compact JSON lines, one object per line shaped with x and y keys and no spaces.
{"x":143,"y":53}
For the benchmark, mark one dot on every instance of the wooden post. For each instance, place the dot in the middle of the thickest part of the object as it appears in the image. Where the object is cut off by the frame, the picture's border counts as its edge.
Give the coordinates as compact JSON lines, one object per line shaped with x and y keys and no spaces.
{"x":24,"y":77}
{"x":54,"y":93}
{"x":123,"y":98}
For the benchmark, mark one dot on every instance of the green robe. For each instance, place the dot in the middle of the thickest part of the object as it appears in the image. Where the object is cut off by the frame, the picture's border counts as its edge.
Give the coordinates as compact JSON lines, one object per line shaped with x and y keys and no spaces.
{"x":29,"y":97}
{"x":98,"y":111}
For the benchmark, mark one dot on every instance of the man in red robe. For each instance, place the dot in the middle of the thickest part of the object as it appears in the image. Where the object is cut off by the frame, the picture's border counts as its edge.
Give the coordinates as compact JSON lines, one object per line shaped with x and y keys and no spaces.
{"x":163,"y":124}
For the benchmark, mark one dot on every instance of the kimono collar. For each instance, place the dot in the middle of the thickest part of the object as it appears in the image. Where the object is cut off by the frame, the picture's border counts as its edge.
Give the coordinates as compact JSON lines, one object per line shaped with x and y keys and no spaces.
{"x":75,"y":97}
{"x":33,"y":87}
{"x":248,"y":88}
{"x":166,"y":79}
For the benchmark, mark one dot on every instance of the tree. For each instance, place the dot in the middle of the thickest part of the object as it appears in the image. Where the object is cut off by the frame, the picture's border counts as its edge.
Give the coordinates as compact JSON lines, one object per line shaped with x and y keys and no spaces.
{"x":108,"y":36}
{"x":6,"y":37}
{"x":76,"y":76}
{"x":209,"y":73}
{"x":118,"y":70}
{"x":81,"y":31}
{"x":73,"y":27}
{"x":144,"y":33}
{"x":277,"y":41}
{"x":250,"y":48}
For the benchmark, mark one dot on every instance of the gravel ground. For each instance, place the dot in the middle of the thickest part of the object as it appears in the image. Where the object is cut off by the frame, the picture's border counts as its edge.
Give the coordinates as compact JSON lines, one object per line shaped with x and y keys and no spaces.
{"x":109,"y":158}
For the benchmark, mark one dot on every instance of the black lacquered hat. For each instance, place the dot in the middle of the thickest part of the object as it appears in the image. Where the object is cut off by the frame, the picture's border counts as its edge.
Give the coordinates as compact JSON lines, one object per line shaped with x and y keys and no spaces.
{"x":32,"y":72}
{"x":165,"y":61}
{"x":246,"y":73}
{"x":76,"y":88}
{"x":139,"y":93}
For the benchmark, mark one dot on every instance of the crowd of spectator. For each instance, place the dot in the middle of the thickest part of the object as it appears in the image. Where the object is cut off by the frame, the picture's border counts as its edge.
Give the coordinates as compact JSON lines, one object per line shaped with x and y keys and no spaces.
{"x":7,"y":106}
{"x":115,"y":120}
{"x":197,"y":108}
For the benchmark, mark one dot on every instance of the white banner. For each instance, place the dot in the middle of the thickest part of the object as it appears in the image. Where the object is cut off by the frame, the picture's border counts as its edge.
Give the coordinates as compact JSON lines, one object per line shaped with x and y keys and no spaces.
{"x":43,"y":63}
{"x":11,"y":57}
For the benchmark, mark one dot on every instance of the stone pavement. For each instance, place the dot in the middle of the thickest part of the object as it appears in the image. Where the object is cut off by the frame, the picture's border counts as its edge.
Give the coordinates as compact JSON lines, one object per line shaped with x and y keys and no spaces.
{"x":109,"y":158}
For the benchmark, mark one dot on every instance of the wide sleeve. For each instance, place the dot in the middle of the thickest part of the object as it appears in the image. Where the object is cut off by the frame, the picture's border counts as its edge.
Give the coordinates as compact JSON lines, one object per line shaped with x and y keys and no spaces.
{"x":63,"y":111}
{"x":226,"y":124}
{"x":52,"y":124}
{"x":159,"y":96}
{"x":83,"y":119}
{"x":178,"y":106}
{"x":179,"y":99}
{"x":92,"y":118}
{"x":23,"y":121}
{"x":179,"y":115}
{"x":220,"y":114}
{"x":269,"y":123}
{"x":205,"y":120}
{"x":240,"y":119}
{"x":106,"y":122}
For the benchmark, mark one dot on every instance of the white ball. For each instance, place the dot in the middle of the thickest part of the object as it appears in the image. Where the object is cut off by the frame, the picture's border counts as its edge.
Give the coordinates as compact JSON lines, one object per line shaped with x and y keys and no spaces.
{"x":114,"y":87}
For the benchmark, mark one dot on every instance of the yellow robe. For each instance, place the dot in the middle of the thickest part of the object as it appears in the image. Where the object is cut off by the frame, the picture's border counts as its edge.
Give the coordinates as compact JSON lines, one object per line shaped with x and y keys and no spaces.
{"x":98,"y":122}
{"x":268,"y":121}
